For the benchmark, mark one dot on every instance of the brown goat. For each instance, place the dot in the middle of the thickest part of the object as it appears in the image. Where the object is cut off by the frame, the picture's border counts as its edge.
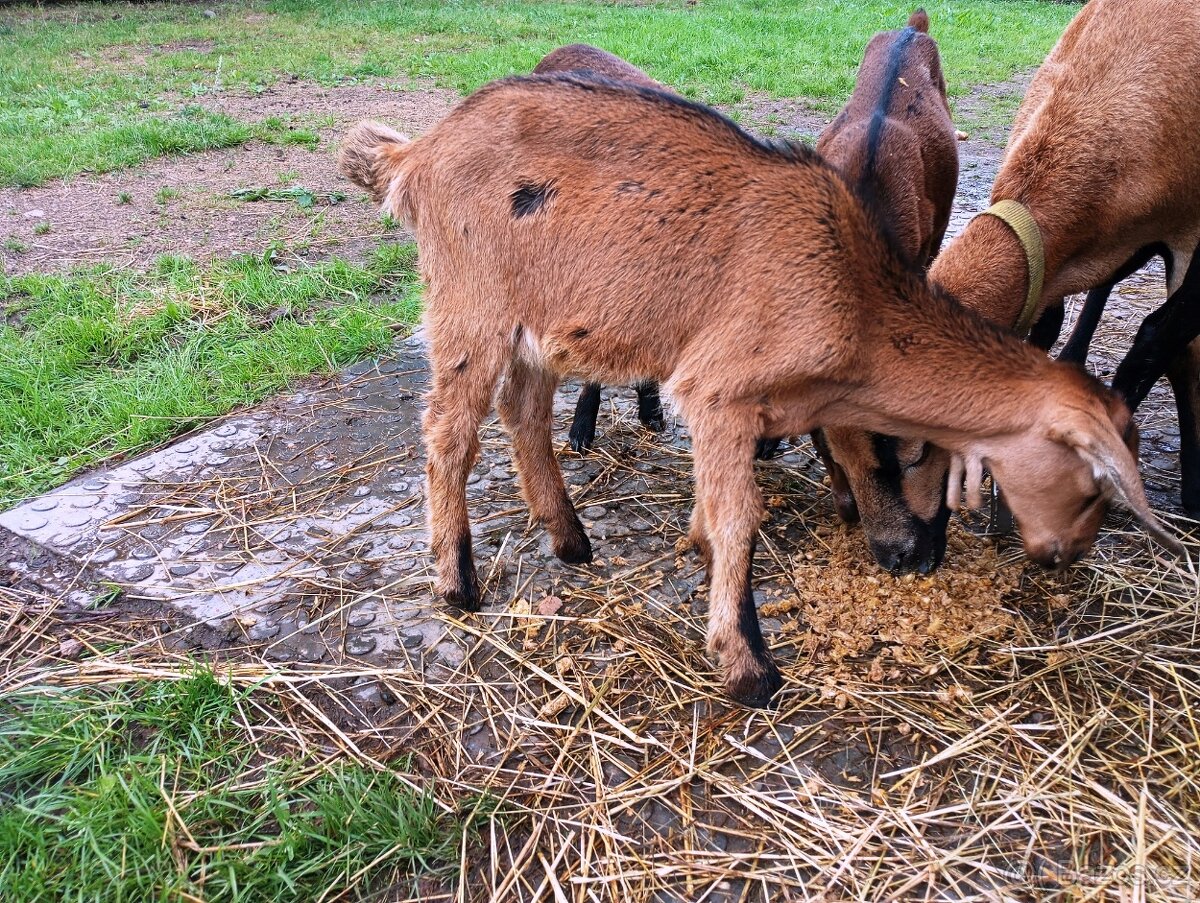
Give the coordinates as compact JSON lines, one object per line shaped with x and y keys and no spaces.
{"x":583,"y":228}
{"x":895,"y":140}
{"x":1102,"y":156}
{"x":583,"y":60}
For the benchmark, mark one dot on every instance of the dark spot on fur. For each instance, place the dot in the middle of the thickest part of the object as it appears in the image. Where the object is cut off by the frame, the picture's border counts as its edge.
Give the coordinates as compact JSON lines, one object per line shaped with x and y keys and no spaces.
{"x":903,"y":342}
{"x":580,"y":332}
{"x":630,"y":187}
{"x":529,"y":199}
{"x":462,"y":365}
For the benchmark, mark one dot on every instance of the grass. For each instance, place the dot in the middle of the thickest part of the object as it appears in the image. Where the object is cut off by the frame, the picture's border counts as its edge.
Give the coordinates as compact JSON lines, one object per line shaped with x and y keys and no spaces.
{"x":98,"y":91}
{"x":108,"y":361}
{"x":159,"y":791}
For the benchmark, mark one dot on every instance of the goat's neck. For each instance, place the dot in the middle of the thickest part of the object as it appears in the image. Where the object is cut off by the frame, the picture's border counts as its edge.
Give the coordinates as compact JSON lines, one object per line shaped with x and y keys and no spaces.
{"x":938,"y":373}
{"x":986,"y":269}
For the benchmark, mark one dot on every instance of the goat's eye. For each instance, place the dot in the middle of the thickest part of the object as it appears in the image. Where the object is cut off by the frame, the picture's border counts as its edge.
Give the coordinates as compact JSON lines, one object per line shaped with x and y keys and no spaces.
{"x":921,"y":458}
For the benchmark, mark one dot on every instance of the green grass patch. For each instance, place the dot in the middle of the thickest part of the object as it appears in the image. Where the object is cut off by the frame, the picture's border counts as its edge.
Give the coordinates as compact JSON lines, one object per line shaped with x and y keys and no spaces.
{"x":156,"y":791}
{"x":82,"y":90}
{"x":302,"y":197}
{"x":106,"y":361}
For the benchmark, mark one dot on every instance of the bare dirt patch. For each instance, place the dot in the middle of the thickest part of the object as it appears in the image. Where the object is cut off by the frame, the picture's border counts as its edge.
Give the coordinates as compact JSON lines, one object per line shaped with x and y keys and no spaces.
{"x":786,"y":118}
{"x":127,"y":219}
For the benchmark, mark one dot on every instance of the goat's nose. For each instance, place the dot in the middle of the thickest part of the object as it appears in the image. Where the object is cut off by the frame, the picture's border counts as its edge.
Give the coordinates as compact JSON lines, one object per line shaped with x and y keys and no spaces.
{"x":899,"y":557}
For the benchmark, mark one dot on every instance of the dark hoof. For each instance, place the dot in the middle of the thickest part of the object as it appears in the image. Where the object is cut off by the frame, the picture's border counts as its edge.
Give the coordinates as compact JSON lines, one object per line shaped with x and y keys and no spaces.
{"x":576,"y":549}
{"x":1191,"y":503}
{"x":767,"y":448}
{"x":656,"y":423}
{"x":756,"y":690}
{"x":466,"y":600}
{"x":581,"y":439}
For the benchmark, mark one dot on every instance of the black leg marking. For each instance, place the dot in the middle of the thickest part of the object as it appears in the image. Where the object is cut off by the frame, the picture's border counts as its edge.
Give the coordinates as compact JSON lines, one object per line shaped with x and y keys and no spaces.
{"x":650,"y":411}
{"x":583,"y":425}
{"x":1162,"y":337}
{"x":1045,"y":331}
{"x":768,"y":447}
{"x":1185,"y":381}
{"x":1076,"y":349}
{"x":575,"y":548}
{"x":754,"y":690}
{"x":467,"y":598}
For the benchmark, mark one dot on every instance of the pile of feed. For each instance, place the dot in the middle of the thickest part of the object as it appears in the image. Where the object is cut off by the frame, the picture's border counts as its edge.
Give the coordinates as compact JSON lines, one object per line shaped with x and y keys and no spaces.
{"x":859,"y":622}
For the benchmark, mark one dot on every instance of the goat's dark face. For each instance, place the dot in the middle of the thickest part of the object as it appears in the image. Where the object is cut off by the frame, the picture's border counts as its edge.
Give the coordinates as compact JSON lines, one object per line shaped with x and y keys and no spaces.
{"x":898,"y":489}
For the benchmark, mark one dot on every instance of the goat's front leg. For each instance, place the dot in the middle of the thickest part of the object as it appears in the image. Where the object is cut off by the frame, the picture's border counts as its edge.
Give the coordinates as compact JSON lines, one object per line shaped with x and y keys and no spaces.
{"x":731,"y":511}
{"x":650,"y":411}
{"x":526,"y":406}
{"x":1184,"y":374}
{"x":1045,"y":330}
{"x":1076,"y":349}
{"x":583,"y":424}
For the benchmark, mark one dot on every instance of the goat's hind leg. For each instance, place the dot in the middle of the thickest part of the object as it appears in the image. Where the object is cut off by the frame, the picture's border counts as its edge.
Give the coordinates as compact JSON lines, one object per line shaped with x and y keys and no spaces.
{"x":464,"y":377}
{"x":731,"y":512}
{"x":526,"y":406}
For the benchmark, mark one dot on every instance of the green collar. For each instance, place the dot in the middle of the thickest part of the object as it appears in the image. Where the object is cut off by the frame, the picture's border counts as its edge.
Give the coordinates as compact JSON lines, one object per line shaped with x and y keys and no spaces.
{"x":1021,"y":221}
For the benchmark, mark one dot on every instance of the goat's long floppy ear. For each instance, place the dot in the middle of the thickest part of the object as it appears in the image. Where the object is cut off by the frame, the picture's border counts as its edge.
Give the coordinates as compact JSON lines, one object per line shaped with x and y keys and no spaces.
{"x":1115,"y":466}
{"x":368,"y":155}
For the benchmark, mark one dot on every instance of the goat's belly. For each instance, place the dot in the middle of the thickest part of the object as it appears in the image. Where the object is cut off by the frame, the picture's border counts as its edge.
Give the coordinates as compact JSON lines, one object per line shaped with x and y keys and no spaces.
{"x":602,"y":355}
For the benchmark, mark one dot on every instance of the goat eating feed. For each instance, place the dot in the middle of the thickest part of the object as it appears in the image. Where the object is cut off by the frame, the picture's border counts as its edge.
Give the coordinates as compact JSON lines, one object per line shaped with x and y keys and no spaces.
{"x":573,"y":227}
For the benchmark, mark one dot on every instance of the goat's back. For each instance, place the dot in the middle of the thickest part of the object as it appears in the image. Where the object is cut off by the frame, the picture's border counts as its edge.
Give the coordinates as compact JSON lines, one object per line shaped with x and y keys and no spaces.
{"x":613,"y":224}
{"x":895,"y":138}
{"x":584,"y":58}
{"x":1109,"y":120}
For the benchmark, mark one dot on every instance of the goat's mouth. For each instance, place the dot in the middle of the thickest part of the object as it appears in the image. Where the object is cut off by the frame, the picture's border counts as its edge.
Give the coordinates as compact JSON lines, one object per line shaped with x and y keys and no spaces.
{"x":920,"y":552}
{"x":1055,"y":557}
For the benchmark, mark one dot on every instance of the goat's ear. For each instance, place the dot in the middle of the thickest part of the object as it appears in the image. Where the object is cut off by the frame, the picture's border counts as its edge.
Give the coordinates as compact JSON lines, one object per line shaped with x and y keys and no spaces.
{"x":919,"y":20}
{"x":365,"y":156}
{"x":1115,"y":467}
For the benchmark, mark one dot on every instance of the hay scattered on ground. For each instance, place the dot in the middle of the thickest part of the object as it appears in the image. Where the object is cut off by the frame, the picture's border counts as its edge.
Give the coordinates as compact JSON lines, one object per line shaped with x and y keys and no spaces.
{"x":859,"y":621}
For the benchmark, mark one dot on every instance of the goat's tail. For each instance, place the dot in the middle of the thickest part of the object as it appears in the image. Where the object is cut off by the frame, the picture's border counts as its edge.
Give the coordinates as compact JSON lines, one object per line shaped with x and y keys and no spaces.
{"x":919,"y":20}
{"x":372,"y":155}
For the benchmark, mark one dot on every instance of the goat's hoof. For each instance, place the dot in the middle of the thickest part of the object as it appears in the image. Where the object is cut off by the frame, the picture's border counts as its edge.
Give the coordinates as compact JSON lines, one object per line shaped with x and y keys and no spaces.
{"x":656,"y":422}
{"x":464,"y":599}
{"x":465,"y":595}
{"x":755,"y":689}
{"x":1191,"y":503}
{"x":767,"y":448}
{"x":582,"y":436}
{"x":574,"y":549}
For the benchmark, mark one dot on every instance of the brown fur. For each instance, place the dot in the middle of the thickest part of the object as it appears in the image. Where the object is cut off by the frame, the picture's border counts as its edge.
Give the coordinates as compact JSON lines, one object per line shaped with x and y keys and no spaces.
{"x":583,"y":59}
{"x":747,"y":278}
{"x":911,"y":172}
{"x":586,"y":60}
{"x":1103,"y":154}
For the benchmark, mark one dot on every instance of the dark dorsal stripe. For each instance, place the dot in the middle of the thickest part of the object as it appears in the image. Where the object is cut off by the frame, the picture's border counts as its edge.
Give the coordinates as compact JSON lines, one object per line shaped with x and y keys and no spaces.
{"x":896,"y":55}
